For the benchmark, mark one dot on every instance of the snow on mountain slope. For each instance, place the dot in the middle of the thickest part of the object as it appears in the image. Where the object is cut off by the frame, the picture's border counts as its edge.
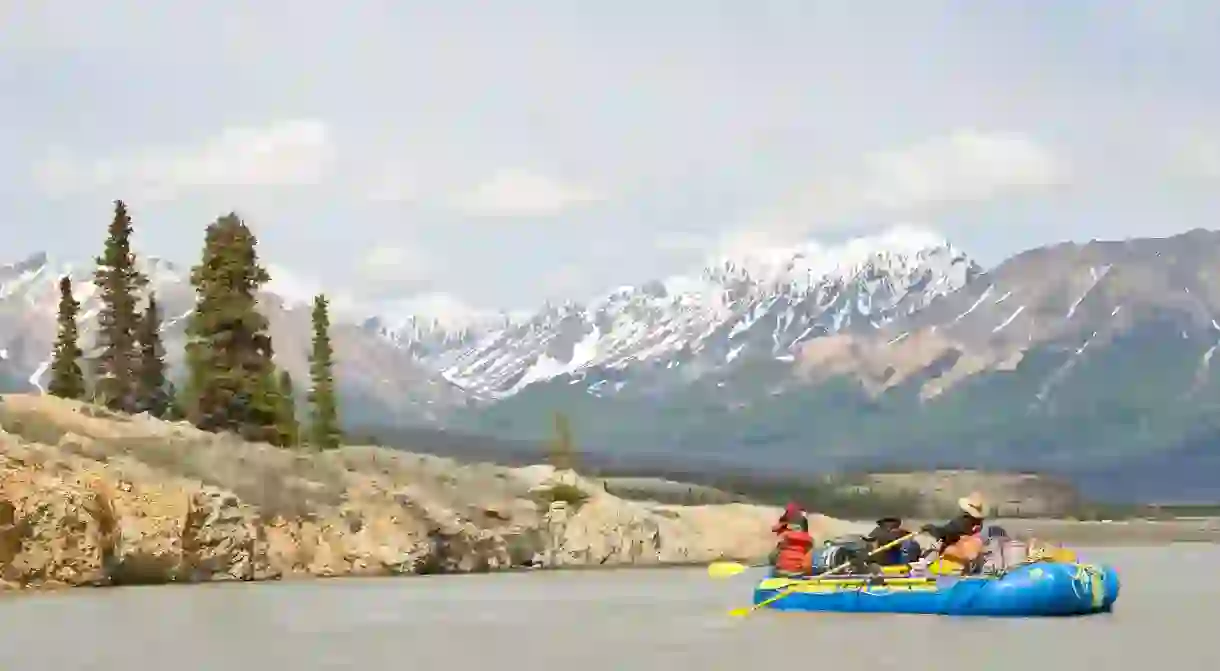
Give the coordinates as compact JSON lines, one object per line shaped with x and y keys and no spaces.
{"x":764,"y":304}
{"x":434,"y":327}
{"x":760,"y":305}
{"x":370,"y":368}
{"x":1076,"y":299}
{"x":29,"y":299}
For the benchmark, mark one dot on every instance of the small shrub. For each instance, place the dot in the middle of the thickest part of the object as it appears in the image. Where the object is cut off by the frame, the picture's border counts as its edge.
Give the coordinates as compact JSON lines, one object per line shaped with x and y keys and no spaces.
{"x":572,"y":495}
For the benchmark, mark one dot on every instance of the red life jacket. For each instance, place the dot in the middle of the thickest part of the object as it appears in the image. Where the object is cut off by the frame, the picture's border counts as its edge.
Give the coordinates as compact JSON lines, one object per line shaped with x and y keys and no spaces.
{"x":795,"y":552}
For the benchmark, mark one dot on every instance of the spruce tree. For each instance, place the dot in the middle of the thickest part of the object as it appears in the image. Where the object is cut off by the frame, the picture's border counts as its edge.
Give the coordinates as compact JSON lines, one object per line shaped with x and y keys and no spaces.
{"x":119,"y":284}
{"x":562,"y":450}
{"x":290,"y":429}
{"x":231,"y":383}
{"x":324,"y":407}
{"x":67,"y":379}
{"x":154,"y":394}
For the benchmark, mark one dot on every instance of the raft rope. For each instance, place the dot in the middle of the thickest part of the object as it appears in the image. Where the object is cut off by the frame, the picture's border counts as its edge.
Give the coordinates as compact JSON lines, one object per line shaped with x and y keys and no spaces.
{"x":1088,"y":582}
{"x":1089,"y":577}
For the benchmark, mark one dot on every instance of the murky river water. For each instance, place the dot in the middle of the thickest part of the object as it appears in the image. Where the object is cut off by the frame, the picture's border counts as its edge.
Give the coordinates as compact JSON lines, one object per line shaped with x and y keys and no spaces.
{"x":634,"y":620}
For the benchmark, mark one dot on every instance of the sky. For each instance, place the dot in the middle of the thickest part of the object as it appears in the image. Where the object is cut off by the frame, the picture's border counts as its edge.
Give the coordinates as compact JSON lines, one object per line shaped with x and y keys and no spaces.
{"x":500,"y":153}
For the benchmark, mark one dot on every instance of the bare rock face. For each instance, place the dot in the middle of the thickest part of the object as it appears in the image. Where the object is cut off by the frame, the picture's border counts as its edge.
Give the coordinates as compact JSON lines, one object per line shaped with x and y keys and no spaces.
{"x":604,"y":530}
{"x":55,"y":539}
{"x":88,"y":497}
{"x":595,"y":528}
{"x":222,"y":538}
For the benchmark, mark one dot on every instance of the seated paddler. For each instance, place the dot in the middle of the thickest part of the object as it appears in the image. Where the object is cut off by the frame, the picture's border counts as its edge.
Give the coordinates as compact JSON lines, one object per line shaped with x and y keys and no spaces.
{"x":959,"y":542}
{"x":793,"y":555}
{"x":888,"y":530}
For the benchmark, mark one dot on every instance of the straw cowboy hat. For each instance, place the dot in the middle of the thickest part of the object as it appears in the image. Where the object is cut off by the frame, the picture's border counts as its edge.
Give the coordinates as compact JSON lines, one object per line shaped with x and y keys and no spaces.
{"x":974,"y":505}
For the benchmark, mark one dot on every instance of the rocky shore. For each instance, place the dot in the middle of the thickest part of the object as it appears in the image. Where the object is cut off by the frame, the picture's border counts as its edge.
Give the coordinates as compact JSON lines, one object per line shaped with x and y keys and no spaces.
{"x":89,"y":497}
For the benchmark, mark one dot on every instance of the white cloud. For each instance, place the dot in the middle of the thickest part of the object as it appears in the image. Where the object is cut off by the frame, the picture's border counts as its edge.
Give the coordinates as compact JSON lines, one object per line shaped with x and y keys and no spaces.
{"x":286,"y":153}
{"x":298,"y":290}
{"x":520,"y":193}
{"x":392,"y":264}
{"x":395,"y":184}
{"x":677,"y":241}
{"x":964,"y":166}
{"x":1198,"y":155}
{"x":446,"y":310}
{"x":737,"y":244}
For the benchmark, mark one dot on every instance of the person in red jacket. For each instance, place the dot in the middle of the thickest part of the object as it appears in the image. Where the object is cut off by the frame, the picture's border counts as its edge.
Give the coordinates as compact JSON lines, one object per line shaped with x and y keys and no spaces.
{"x":793,"y":555}
{"x":793,"y":516}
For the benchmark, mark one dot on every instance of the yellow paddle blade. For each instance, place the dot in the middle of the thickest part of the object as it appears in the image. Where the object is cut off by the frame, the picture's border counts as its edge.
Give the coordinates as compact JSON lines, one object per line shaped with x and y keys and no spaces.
{"x":740,"y":612}
{"x":725,"y":569}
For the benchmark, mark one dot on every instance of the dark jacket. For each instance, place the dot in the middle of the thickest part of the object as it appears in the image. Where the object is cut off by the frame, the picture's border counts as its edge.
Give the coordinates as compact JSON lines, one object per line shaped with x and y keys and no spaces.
{"x":885,"y":534}
{"x":953,"y":530}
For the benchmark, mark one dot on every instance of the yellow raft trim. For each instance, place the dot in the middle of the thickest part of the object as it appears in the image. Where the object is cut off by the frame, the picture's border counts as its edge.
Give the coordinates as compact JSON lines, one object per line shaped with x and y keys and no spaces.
{"x":833,"y":584}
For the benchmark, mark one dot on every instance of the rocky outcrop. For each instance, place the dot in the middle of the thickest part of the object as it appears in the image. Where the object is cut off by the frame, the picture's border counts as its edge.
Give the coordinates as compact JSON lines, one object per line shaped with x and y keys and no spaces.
{"x":88,"y":497}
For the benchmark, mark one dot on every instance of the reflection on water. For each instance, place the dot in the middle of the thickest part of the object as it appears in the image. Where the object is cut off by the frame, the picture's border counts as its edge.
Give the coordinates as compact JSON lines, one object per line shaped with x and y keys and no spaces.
{"x":613,"y":620}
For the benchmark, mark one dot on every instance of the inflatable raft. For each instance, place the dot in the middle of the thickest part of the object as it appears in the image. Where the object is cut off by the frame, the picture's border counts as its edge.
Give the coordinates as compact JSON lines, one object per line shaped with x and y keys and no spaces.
{"x":1033,"y":590}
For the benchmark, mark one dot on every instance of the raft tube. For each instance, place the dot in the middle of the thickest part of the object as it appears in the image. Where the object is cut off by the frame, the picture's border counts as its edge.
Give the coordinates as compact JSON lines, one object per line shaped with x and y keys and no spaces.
{"x":1034,"y":590}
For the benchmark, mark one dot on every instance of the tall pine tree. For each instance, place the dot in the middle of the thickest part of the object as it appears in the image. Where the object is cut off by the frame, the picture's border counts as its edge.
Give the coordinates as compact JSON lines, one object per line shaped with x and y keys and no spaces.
{"x":67,"y":380}
{"x":324,"y":407}
{"x":231,"y":377}
{"x":290,"y":428}
{"x":154,"y":394}
{"x":119,"y":283}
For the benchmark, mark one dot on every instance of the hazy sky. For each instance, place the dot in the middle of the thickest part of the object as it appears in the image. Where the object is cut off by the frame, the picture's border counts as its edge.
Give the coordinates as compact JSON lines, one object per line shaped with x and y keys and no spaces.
{"x":503,"y":152}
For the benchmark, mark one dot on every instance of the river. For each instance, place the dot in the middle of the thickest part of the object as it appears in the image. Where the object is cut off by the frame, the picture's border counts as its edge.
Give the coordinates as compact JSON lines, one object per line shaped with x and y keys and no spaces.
{"x":592,"y":620}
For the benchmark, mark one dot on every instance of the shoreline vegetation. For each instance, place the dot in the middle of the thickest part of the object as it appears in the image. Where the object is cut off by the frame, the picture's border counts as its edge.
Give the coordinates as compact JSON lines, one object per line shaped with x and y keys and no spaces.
{"x":913,"y":492}
{"x":90,"y":497}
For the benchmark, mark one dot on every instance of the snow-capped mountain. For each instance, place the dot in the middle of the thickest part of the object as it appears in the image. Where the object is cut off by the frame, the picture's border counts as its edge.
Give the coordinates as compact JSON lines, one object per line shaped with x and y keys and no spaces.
{"x":29,"y":298}
{"x":1095,"y":361}
{"x":433,"y":328}
{"x":388,"y":380}
{"x":762,"y":304}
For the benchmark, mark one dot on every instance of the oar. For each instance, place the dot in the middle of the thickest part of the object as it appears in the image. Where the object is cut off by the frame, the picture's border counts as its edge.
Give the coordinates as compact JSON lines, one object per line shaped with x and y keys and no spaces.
{"x":841,"y":567}
{"x":728,"y":569}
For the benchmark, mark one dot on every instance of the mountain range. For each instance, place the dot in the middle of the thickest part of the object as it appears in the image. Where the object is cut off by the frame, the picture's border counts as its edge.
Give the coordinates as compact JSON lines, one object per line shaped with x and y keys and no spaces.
{"x":1090,"y":360}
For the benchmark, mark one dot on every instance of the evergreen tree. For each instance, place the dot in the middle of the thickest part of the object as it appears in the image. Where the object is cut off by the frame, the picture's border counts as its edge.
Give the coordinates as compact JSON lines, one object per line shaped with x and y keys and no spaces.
{"x":67,"y":380}
{"x":324,"y":416}
{"x":119,"y":284}
{"x":154,"y":394}
{"x":562,"y":450}
{"x":290,"y":429}
{"x":231,"y":383}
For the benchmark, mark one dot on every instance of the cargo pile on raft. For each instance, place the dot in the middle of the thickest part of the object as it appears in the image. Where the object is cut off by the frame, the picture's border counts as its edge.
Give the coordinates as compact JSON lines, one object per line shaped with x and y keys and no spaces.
{"x":968,"y":569}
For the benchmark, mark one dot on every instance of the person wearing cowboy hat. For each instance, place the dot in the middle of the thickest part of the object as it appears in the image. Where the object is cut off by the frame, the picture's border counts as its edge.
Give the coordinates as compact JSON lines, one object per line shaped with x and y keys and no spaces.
{"x":958,"y":540}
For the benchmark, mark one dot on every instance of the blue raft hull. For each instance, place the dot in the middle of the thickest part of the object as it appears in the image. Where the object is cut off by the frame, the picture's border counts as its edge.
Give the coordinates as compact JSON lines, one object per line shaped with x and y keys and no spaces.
{"x":1036,"y":590}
